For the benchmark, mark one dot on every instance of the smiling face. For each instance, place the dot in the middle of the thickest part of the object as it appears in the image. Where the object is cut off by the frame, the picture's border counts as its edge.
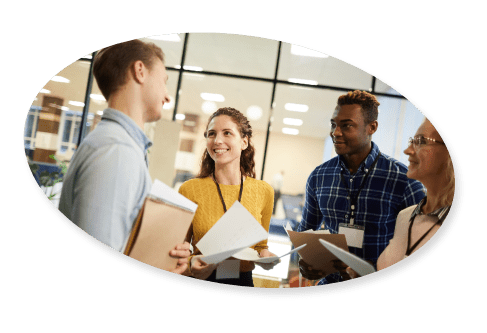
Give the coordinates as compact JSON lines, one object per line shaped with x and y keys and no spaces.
{"x":350,"y":134}
{"x":428,"y":163}
{"x":155,"y":91}
{"x":224,"y":142}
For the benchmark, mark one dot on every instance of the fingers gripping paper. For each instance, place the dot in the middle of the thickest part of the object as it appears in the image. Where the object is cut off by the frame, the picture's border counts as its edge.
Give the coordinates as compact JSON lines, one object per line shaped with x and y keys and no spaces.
{"x":237,"y":229}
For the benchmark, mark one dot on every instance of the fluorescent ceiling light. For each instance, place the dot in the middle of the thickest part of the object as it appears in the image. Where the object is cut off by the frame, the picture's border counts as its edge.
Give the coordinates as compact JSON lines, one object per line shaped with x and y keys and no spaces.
{"x":254,"y":112}
{"x":209,"y":107}
{"x":98,"y":97}
{"x":100,"y":113}
{"x":45,"y":91}
{"x":292,"y":121}
{"x":180,"y":116}
{"x":296,"y":107}
{"x":190,"y":68}
{"x":212,"y":97}
{"x":167,"y":38}
{"x":193,"y":68}
{"x":75,"y":103}
{"x":310,"y":82}
{"x":292,"y":131}
{"x":303,"y":51}
{"x":60,"y":79}
{"x":64,"y":108}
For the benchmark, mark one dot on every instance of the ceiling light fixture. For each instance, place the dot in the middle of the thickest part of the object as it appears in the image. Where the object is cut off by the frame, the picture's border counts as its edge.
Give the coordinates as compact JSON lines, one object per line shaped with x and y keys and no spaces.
{"x":180,"y":116}
{"x":296,"y":107}
{"x":45,"y":91}
{"x":302,"y":81}
{"x":193,"y":68}
{"x":254,"y":112}
{"x":292,"y":121}
{"x":98,"y":97}
{"x":292,"y":131}
{"x":75,"y":103}
{"x":60,"y":79}
{"x":209,"y":107}
{"x":212,"y":97}
{"x":303,"y":51}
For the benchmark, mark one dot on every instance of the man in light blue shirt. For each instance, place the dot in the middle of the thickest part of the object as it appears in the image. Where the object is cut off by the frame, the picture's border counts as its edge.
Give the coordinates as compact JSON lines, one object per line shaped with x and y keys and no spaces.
{"x":108,"y":177}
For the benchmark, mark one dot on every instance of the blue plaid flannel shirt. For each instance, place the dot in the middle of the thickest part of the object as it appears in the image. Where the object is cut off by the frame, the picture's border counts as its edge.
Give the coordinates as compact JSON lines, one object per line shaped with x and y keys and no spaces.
{"x":386,"y":192}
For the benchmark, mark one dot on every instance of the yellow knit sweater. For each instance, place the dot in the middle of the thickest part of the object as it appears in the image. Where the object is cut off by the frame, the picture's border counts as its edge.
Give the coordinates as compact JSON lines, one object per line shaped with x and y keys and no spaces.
{"x":257,"y":198}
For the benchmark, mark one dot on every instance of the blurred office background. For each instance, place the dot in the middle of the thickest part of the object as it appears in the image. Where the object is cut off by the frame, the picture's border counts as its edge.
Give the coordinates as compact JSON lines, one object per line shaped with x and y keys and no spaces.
{"x":288,"y":93}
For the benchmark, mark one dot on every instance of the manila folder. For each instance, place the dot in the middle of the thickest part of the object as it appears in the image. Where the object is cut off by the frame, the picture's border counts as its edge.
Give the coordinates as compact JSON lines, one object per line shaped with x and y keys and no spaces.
{"x":314,"y":253}
{"x":160,"y":226}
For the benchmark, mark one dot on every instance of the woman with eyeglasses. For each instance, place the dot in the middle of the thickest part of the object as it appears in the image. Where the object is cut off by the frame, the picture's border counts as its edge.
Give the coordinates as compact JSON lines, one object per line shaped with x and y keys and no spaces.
{"x":430,"y":163}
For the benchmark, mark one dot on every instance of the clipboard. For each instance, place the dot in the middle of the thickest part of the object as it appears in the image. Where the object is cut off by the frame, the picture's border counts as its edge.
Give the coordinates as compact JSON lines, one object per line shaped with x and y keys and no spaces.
{"x":314,"y":253}
{"x":159,"y":227}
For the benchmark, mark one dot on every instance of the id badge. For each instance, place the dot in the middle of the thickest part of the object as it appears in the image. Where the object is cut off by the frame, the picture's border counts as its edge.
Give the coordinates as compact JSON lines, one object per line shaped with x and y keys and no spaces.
{"x":354,"y":234}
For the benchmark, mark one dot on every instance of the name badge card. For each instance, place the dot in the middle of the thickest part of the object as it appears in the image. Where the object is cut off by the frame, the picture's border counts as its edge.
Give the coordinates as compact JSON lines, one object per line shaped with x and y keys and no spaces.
{"x":354,"y":234}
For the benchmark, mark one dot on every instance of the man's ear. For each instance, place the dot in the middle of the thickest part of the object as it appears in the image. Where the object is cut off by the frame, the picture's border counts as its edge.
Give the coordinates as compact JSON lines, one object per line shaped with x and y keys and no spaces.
{"x":139,"y":71}
{"x":372,"y":127}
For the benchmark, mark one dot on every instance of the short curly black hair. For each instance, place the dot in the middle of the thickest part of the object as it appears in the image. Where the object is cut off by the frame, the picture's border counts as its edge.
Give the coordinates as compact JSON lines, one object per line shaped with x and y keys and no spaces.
{"x":367,"y":101}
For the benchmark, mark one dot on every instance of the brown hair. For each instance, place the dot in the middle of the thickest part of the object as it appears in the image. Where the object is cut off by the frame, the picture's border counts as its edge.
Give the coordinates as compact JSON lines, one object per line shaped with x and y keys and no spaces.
{"x":367,"y":102}
{"x":247,"y":164}
{"x":446,"y":197}
{"x":111,"y":63}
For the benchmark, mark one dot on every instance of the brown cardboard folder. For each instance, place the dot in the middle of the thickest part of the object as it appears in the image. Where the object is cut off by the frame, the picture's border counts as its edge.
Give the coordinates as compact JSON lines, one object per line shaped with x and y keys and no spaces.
{"x":314,"y":253}
{"x":159,"y":227}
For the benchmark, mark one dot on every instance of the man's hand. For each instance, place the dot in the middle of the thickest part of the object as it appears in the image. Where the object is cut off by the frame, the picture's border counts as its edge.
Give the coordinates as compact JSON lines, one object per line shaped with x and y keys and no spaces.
{"x":345,"y":271}
{"x":181,"y":251}
{"x":309,"y":273}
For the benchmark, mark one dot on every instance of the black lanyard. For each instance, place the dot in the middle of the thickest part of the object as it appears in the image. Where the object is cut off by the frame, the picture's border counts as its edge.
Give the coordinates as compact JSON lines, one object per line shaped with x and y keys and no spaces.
{"x":220,"y":192}
{"x":354,"y":199}
{"x":410,"y":248}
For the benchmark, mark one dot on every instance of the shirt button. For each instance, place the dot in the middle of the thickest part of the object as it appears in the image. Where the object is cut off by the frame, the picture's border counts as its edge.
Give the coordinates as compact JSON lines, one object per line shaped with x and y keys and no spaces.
{"x":351,"y":180}
{"x":366,"y":170}
{"x":348,"y":198}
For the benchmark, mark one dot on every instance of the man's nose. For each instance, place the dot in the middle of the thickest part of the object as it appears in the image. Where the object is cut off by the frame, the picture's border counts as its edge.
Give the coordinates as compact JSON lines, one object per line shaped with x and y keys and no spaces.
{"x":335,"y":132}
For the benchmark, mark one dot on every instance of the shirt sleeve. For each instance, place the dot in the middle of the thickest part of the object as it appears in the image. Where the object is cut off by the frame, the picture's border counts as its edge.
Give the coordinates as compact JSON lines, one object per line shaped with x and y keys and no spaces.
{"x":413,"y":193}
{"x":312,"y":216}
{"x":106,"y":193}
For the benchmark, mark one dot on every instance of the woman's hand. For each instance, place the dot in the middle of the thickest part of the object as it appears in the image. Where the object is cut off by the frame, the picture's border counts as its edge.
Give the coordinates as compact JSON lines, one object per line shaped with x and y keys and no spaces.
{"x":264,"y":254}
{"x":200,"y":269}
{"x":181,"y":252}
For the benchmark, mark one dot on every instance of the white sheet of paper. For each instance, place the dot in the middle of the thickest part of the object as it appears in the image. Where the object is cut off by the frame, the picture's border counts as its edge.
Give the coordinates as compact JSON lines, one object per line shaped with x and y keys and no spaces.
{"x":228,"y":269}
{"x":236,"y":229}
{"x":359,"y":265}
{"x":168,"y":194}
{"x":252,"y":255}
{"x":220,"y":256}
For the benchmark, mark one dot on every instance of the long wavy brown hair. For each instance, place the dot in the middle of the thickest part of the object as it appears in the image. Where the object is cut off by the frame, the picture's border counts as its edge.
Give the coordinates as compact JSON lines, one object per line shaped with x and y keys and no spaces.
{"x":247,"y":164}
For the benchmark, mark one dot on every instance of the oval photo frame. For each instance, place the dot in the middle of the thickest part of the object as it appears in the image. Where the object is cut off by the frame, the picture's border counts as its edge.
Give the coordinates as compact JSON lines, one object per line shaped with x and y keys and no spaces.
{"x":365,"y":282}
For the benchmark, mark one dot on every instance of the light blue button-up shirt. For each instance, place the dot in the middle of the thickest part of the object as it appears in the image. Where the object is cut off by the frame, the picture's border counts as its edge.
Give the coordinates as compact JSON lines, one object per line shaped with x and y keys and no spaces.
{"x":108,"y":179}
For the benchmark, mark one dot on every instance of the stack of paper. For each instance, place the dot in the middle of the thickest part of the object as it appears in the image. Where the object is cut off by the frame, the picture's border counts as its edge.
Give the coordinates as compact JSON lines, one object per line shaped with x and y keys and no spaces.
{"x":236,"y":230}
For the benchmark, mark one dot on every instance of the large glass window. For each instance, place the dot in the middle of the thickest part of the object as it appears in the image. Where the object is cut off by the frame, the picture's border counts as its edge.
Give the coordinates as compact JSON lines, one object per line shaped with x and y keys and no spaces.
{"x":302,"y":65}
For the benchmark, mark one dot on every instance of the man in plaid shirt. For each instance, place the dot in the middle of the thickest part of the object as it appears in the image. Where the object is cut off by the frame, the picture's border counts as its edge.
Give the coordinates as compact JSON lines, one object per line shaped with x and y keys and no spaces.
{"x":360,"y":191}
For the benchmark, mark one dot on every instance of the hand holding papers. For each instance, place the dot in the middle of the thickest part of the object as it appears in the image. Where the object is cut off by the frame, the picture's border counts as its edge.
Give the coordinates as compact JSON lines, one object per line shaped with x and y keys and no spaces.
{"x":163,"y":222}
{"x":314,"y":254}
{"x":359,"y":265}
{"x":236,"y":230}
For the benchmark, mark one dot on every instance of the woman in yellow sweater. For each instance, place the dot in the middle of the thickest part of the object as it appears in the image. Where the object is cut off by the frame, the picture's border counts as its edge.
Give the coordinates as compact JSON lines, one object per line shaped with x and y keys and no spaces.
{"x":227,"y":174}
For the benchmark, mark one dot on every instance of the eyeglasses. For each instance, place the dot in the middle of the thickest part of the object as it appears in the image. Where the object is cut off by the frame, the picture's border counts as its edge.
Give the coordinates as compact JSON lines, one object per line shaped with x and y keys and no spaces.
{"x":420,"y":141}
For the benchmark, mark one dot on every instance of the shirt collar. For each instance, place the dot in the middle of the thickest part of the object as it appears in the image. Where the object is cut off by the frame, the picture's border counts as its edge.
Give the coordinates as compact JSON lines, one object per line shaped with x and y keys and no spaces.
{"x":440,"y":212}
{"x":129,"y":125}
{"x":365,"y":165}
